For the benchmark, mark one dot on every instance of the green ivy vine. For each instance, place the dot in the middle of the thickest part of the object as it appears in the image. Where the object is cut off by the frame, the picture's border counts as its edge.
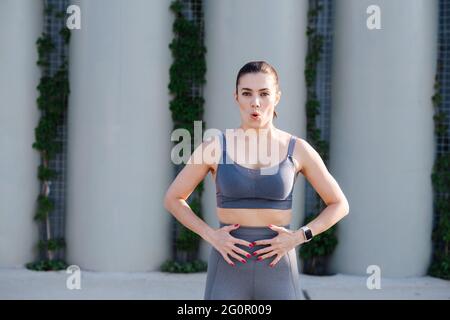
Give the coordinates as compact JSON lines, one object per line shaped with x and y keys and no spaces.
{"x":314,"y":253}
{"x":186,"y":72}
{"x":440,"y":177}
{"x":52,"y":102}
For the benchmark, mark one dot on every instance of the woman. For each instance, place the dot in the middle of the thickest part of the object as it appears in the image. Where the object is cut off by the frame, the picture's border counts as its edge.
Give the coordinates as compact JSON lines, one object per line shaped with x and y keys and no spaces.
{"x":254,"y":207}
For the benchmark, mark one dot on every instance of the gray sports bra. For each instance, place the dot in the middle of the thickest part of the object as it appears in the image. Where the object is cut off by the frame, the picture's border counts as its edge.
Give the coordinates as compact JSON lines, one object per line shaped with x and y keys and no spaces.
{"x":241,"y":187}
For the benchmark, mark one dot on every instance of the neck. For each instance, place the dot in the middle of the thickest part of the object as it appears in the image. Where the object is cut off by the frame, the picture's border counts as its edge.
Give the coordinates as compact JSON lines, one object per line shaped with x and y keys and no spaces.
{"x":268,"y":128}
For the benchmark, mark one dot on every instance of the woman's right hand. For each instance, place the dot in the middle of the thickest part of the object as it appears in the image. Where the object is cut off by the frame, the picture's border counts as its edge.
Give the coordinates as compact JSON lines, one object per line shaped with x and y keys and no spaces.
{"x":225,"y":243}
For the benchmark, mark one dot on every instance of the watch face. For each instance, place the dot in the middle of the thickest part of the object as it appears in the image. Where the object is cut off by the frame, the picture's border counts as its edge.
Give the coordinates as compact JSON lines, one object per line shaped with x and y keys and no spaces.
{"x":308,"y":234}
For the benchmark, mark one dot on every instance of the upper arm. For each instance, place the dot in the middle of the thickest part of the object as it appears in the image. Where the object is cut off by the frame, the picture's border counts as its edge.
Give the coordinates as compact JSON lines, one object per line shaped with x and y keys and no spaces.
{"x":315,"y":171}
{"x":195,"y":170}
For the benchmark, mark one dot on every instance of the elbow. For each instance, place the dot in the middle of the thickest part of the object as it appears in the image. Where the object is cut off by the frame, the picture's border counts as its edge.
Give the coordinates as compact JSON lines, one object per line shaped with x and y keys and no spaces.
{"x":346,"y":207}
{"x":168,"y":199}
{"x":172,"y":199}
{"x":342,"y":206}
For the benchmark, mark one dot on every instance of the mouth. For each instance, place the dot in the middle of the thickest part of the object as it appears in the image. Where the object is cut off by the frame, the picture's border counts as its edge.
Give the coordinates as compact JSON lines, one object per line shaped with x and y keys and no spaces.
{"x":255,"y":115}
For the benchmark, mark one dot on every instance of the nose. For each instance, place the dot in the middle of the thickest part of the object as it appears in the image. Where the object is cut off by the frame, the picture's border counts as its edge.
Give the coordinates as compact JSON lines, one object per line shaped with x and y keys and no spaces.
{"x":255,"y":103}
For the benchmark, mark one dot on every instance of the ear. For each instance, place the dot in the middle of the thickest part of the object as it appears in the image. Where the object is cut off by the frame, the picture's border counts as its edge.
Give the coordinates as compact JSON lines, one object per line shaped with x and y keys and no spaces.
{"x":278,"y":97}
{"x":235,"y":96}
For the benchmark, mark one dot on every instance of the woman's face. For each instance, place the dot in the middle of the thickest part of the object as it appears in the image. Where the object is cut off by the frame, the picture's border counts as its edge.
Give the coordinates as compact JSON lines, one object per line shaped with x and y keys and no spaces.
{"x":257,"y":98}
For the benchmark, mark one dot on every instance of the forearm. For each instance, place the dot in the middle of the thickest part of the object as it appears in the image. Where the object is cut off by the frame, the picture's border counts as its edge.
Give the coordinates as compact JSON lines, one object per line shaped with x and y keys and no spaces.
{"x":325,"y":220}
{"x":184,"y":214}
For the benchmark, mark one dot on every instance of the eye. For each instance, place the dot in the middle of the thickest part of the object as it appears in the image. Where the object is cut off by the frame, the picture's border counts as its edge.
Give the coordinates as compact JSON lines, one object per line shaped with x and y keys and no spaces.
{"x":248,"y":93}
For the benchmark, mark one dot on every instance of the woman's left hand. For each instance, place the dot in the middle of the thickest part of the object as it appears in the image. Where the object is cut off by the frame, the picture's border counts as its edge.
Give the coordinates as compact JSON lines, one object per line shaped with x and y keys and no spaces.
{"x":285,"y":241}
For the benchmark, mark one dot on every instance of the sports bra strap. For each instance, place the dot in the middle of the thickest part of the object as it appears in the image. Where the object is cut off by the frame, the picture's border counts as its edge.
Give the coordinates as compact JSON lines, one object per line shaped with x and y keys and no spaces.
{"x":224,"y":146}
{"x":291,"y":145}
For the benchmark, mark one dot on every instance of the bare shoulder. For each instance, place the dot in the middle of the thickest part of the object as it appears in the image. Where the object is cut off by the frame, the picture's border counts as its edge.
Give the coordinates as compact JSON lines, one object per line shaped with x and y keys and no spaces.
{"x":301,"y":150}
{"x":207,"y":153}
{"x":307,"y":157}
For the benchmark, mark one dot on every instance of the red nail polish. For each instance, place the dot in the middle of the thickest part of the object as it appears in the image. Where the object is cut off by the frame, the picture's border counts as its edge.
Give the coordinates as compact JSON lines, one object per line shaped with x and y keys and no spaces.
{"x":248,"y":255}
{"x":254,"y":243}
{"x":259,"y":258}
{"x":231,"y":264}
{"x":236,"y":225}
{"x":271,"y":265}
{"x":254,"y":253}
{"x":251,"y":245}
{"x":243,"y":261}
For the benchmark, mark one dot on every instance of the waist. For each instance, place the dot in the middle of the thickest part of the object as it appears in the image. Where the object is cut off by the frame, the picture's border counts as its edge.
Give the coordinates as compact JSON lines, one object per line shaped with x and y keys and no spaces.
{"x":250,"y":230}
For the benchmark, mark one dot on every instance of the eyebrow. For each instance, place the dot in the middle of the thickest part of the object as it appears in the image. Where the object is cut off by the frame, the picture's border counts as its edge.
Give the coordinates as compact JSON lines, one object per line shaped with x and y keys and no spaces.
{"x":248,"y":89}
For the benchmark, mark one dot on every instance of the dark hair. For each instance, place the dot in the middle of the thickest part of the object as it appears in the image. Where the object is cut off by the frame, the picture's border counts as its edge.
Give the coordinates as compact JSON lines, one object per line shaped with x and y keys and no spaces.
{"x":255,"y":67}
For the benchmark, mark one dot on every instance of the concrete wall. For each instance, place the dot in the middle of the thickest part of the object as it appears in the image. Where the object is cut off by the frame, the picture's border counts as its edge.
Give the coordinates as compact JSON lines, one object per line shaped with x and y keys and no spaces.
{"x":20,"y":27}
{"x":382,"y":135}
{"x":119,"y":128}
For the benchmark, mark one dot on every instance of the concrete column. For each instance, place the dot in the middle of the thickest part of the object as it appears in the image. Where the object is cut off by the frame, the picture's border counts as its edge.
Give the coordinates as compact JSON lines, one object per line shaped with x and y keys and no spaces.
{"x":119,"y":131}
{"x":382,"y":135}
{"x":237,"y":32}
{"x":20,"y":27}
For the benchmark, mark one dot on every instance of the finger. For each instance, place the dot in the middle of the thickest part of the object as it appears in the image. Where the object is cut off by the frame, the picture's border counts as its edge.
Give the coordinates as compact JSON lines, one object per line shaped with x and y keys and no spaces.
{"x":267,"y":255}
{"x":275,"y":261}
{"x":261,"y":251}
{"x":243,"y":252}
{"x":237,"y":257}
{"x":244,"y":243}
{"x":262,"y":242}
{"x":232,"y":226}
{"x":225,"y":257}
{"x":276,"y":228}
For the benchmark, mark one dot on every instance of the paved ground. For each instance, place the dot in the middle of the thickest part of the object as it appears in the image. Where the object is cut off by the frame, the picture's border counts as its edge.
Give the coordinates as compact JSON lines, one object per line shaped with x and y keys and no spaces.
{"x":26,"y":284}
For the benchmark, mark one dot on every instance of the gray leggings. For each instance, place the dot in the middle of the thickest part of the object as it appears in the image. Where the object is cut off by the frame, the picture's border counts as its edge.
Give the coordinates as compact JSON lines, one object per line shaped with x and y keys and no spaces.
{"x":253,"y":280}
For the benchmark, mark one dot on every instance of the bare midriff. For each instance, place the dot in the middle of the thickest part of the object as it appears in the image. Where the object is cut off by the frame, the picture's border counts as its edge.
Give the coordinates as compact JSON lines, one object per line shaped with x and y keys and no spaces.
{"x":254,"y":217}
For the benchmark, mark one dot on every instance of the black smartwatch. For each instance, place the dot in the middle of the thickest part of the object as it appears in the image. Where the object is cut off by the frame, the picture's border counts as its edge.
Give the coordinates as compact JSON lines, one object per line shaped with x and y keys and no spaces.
{"x":307,"y":233}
